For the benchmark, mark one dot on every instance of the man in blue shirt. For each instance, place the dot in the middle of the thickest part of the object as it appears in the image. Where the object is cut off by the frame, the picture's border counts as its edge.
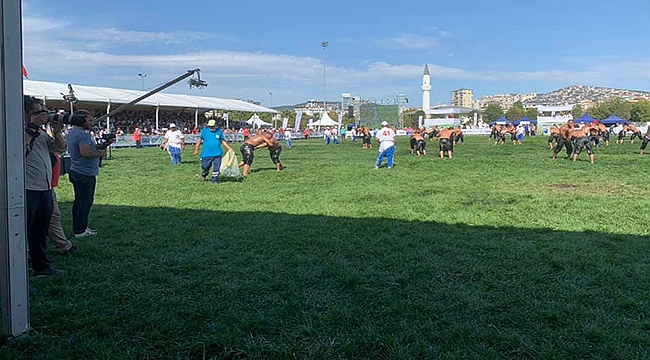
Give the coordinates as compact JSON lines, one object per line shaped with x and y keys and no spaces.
{"x":211,"y":138}
{"x":84,"y":168}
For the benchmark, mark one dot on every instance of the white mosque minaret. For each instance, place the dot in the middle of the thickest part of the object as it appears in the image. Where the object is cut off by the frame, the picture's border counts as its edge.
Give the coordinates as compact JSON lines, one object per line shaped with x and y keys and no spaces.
{"x":426,"y":89}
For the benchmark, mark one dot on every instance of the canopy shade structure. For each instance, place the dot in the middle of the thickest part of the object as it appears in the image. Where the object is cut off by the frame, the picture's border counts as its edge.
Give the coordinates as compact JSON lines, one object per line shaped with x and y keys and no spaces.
{"x":584,"y":119}
{"x":94,"y":94}
{"x":257,"y":122}
{"x":501,"y":121}
{"x":525,"y":120}
{"x":325,"y":120}
{"x":613,"y":119}
{"x":446,"y":110}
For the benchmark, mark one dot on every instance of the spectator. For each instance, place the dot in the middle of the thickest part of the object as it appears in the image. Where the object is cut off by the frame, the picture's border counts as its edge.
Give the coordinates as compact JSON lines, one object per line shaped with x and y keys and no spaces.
{"x":287,"y":138}
{"x":39,"y":147}
{"x":137,"y":137}
{"x":56,"y":233}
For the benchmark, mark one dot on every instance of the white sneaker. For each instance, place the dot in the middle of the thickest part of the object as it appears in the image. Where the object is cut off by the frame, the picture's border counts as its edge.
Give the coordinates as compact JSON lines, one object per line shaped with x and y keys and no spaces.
{"x":86,"y":233}
{"x":94,"y":232}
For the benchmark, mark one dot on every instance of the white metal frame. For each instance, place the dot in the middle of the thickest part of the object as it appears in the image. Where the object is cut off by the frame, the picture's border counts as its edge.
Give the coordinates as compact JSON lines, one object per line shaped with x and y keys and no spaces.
{"x":13,"y":253}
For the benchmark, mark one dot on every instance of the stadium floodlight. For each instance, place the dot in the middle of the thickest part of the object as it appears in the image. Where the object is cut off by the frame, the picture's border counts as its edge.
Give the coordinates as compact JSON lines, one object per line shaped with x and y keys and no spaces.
{"x":142,"y":76}
{"x":324,"y":45}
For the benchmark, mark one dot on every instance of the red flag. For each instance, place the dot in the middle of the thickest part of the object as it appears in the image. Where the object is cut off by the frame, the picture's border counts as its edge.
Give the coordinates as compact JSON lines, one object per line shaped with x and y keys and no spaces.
{"x":25,"y":72}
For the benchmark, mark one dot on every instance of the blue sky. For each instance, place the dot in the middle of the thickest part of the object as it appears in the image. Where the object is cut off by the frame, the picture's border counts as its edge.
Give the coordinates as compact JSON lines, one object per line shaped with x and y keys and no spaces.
{"x":248,"y":49}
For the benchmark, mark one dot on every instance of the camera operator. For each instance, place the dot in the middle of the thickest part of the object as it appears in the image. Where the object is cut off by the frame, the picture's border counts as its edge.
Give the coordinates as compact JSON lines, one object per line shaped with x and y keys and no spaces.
{"x":85,"y":155}
{"x":39,"y":149}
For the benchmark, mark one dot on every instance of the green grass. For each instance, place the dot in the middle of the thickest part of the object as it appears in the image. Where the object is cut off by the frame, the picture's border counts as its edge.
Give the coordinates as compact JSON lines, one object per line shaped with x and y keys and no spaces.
{"x":498,"y":253}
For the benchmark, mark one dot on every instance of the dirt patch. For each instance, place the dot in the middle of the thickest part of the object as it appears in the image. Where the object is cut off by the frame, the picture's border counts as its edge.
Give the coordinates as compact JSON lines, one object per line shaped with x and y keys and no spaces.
{"x":564,"y":186}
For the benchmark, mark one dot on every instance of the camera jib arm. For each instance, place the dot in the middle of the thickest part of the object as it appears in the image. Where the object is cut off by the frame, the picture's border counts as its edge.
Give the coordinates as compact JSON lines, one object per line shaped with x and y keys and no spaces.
{"x":197,"y":82}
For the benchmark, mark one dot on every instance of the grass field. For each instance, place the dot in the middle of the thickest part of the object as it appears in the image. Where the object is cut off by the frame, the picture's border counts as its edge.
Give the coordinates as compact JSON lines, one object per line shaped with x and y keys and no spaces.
{"x":498,"y":253}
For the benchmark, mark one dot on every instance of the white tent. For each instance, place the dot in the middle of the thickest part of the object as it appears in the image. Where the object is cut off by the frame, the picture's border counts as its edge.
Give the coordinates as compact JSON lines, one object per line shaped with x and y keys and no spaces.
{"x":93,"y":94}
{"x":325,"y":120}
{"x":257,"y":122}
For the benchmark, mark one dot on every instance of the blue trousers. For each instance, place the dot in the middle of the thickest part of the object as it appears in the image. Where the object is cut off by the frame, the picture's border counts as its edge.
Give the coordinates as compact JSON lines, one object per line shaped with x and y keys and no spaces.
{"x":388,"y":154}
{"x":175,"y":154}
{"x":288,"y":143}
{"x":215,"y":162}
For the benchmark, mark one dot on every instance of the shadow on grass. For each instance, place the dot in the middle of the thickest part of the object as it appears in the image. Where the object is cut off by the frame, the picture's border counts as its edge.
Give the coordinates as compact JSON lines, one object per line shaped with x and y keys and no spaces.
{"x":174,"y":283}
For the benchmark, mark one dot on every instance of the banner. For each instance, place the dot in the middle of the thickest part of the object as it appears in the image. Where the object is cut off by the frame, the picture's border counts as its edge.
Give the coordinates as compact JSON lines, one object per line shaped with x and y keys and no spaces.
{"x":420,"y":118}
{"x":225,"y":117}
{"x":340,"y":121}
{"x":475,"y":119}
{"x":298,"y":119}
{"x":309,"y":122}
{"x":285,"y":123}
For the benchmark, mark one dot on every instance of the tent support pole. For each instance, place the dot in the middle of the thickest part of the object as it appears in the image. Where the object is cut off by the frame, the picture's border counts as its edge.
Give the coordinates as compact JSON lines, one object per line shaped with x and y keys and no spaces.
{"x":157,"y":115}
{"x":108,"y":119}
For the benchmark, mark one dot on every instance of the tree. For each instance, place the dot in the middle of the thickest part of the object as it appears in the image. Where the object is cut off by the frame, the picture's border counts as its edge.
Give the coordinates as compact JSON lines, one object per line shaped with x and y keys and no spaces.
{"x":616,"y":106}
{"x":531,"y":113}
{"x":492,"y":112}
{"x":411,"y":120}
{"x":640,"y":111}
{"x":577,"y":111}
{"x":516,"y":112}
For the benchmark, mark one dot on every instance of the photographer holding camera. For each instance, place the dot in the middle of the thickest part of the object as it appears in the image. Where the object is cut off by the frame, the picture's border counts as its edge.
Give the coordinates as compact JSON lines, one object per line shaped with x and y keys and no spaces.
{"x":39,"y":149}
{"x":85,"y":155}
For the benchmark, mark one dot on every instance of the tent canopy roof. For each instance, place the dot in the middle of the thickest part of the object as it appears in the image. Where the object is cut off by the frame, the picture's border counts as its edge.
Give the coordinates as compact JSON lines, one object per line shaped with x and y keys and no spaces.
{"x":584,"y":119}
{"x":325,"y":120}
{"x":613,"y":119}
{"x":52,"y":91}
{"x":256,"y":121}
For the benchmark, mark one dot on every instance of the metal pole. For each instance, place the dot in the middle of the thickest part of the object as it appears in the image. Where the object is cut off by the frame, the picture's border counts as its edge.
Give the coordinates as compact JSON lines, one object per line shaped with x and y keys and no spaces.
{"x":324,"y":44}
{"x":196,"y":118}
{"x":108,"y":111}
{"x":142,"y":76}
{"x":13,"y":252}
{"x":157,"y":117}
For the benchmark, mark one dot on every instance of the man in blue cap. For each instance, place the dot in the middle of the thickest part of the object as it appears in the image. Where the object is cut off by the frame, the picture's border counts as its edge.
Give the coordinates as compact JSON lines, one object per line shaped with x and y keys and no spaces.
{"x":212,"y":139}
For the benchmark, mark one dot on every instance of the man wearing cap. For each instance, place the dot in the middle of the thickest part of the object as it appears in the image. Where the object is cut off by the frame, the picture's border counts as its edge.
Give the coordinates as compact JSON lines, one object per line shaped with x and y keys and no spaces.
{"x":212,"y":139}
{"x":386,"y":138}
{"x":175,"y":142}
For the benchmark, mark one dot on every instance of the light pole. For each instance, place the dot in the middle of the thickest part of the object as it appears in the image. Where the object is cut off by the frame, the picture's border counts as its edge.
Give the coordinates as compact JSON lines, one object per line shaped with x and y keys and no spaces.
{"x":274,"y":119}
{"x":324,"y":44}
{"x":142,"y":76}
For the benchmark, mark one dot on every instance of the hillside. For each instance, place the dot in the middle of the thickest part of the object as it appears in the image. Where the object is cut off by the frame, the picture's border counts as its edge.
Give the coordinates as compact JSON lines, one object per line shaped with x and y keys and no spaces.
{"x":581,"y":93}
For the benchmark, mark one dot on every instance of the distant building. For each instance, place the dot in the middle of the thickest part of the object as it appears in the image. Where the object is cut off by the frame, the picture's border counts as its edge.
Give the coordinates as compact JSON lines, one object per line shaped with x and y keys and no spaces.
{"x":462,"y":97}
{"x":504,"y":100}
{"x":346,"y":100}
